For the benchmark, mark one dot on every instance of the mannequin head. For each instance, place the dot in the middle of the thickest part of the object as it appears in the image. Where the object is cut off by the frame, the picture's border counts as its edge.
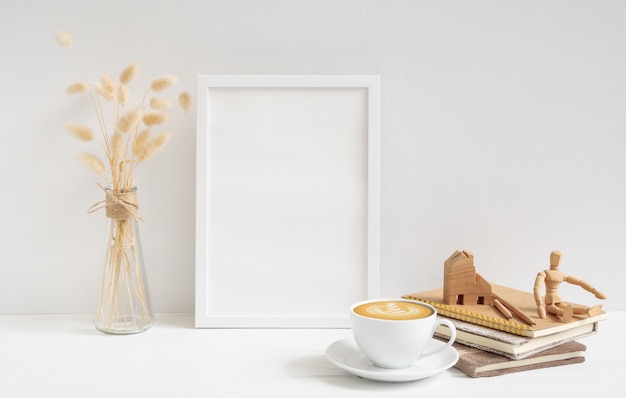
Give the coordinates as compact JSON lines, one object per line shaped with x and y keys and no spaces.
{"x":555,"y":259}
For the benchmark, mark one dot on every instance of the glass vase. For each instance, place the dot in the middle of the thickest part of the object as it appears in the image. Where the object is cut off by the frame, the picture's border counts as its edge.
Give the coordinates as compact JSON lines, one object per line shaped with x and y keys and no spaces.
{"x":124,"y":305}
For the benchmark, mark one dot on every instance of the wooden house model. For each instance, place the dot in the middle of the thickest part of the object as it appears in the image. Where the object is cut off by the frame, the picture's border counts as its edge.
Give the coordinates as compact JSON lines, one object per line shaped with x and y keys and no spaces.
{"x":461,"y":283}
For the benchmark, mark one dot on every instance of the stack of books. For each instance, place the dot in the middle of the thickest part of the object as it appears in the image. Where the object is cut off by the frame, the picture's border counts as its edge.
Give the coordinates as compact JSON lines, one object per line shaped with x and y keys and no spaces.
{"x":490,"y":345}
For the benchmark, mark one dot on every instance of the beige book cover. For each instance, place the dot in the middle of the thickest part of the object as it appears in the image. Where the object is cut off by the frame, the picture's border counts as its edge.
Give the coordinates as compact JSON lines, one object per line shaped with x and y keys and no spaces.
{"x":510,"y":345}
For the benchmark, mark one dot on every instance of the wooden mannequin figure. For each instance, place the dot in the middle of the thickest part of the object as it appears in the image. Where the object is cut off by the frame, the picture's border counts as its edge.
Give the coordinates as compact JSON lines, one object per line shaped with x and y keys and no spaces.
{"x":552,"y":278}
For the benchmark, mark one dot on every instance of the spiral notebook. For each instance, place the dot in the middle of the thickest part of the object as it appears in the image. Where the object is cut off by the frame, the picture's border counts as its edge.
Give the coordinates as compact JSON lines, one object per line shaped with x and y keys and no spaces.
{"x":490,"y":317}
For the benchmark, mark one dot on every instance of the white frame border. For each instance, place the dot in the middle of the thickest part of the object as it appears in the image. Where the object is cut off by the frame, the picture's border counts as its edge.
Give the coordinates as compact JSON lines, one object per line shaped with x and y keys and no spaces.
{"x":204,"y":84}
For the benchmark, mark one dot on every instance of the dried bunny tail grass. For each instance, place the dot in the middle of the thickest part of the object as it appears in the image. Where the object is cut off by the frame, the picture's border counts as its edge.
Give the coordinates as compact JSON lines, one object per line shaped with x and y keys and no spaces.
{"x":65,"y":38}
{"x":81,"y":132}
{"x":184,"y":99}
{"x":140,"y":142}
{"x":117,"y":146}
{"x":108,"y":83}
{"x":104,"y":93}
{"x":163,"y":82}
{"x":154,"y":118}
{"x":160,"y":103}
{"x":77,"y":88}
{"x":92,"y":161}
{"x":153,"y":146}
{"x":129,"y":120}
{"x":122,"y":94}
{"x":129,"y":73}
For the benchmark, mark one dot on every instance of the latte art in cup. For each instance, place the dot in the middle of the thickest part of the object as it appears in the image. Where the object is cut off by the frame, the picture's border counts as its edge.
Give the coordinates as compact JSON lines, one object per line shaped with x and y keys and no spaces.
{"x":393,"y":310}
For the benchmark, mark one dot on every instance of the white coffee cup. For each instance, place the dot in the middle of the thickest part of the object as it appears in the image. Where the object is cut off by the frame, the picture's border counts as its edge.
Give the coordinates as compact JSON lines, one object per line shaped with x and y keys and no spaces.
{"x":393,"y":333}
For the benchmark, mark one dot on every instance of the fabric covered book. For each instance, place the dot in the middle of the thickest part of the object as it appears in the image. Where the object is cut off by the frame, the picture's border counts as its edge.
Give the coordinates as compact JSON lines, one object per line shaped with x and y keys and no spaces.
{"x":488,"y":316}
{"x":510,"y":345}
{"x":478,"y":363}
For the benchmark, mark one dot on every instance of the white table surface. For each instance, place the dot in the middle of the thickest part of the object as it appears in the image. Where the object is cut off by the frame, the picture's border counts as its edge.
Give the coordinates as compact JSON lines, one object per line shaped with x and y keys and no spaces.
{"x":64,"y":356}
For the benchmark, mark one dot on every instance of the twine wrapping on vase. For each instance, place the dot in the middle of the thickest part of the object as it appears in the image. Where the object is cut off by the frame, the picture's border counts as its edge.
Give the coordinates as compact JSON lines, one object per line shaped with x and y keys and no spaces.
{"x":120,"y":205}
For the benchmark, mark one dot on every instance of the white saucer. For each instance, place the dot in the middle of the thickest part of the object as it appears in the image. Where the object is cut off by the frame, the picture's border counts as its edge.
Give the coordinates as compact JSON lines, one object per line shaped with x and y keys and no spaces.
{"x":346,"y":355}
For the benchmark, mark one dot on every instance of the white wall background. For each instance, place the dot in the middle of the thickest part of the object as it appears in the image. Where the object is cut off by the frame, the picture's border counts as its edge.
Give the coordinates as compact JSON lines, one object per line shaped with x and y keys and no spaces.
{"x":503,"y":132}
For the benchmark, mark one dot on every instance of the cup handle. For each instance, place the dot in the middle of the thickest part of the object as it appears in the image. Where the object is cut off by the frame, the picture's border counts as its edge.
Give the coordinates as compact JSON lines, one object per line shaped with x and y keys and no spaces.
{"x":451,"y":340}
